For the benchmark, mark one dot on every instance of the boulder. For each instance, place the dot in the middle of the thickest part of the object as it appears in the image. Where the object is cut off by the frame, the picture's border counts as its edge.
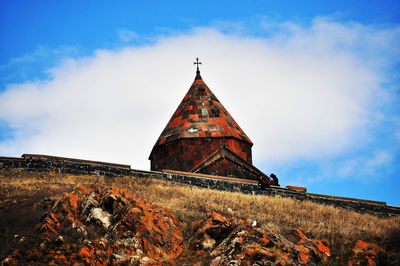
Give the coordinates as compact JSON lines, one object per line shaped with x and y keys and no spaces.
{"x":230,"y":241}
{"x":365,"y":253}
{"x":98,"y":227}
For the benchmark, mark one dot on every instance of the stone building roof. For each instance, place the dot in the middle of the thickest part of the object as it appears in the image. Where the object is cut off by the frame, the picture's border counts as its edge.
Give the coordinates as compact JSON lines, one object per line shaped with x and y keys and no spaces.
{"x":224,"y":153}
{"x":201,"y":115}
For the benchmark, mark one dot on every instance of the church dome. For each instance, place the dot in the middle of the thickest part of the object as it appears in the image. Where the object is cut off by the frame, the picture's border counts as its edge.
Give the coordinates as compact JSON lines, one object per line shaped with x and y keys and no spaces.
{"x":201,"y":115}
{"x":202,"y":137}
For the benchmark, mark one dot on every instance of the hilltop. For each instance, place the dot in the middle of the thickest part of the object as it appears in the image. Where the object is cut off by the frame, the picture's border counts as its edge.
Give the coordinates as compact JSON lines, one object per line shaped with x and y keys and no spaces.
{"x":198,"y":225}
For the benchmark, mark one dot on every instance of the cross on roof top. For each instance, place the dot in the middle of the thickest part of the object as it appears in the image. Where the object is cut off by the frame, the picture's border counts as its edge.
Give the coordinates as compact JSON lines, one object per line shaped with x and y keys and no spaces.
{"x":197,"y":63}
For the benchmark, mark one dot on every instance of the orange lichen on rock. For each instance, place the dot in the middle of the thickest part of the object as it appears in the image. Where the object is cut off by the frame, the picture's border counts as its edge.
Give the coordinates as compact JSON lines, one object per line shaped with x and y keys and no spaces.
{"x":367,"y":254}
{"x":226,"y":241}
{"x":85,"y":252}
{"x":113,"y":226}
{"x":319,"y":250}
{"x":97,"y":227}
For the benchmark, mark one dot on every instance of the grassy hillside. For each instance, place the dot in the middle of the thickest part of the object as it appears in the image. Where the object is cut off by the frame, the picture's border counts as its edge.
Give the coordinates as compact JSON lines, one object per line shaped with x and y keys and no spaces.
{"x":341,"y":228}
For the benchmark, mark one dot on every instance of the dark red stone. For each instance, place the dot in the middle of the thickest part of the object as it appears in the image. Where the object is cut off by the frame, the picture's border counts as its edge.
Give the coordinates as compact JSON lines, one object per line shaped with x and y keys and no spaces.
{"x":185,"y":154}
{"x":199,"y":127}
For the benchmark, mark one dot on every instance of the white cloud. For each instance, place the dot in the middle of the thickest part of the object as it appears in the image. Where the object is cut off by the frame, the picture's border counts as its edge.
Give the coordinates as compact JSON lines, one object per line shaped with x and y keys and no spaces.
{"x":303,"y":93}
{"x":23,"y":67}
{"x":42,"y":52}
{"x":127,"y":35}
{"x":364,"y":167}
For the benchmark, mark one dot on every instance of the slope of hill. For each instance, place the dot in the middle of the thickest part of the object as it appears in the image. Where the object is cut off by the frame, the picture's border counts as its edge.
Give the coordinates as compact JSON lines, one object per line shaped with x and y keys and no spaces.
{"x":200,"y":225}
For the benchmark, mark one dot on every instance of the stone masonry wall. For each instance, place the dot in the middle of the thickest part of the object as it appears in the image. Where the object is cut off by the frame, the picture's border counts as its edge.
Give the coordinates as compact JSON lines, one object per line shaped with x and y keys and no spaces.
{"x":377,"y":208}
{"x":184,"y":154}
{"x":44,"y":163}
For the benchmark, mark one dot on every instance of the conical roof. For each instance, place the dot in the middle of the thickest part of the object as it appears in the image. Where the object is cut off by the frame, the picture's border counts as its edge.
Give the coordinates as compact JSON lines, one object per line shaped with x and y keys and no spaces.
{"x":201,"y":115}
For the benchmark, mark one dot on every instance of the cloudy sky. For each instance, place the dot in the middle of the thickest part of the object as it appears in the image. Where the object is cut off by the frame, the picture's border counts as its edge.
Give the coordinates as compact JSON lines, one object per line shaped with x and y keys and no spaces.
{"x":314,"y":84}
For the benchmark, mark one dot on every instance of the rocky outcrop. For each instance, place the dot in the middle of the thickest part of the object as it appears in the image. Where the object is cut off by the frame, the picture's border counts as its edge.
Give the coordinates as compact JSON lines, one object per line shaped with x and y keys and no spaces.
{"x":367,"y":254}
{"x":99,"y":227}
{"x":92,"y":226}
{"x":225,"y":241}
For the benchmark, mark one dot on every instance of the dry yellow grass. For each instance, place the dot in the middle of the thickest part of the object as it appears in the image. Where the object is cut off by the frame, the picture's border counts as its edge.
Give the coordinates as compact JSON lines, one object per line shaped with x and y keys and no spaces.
{"x":340,"y":227}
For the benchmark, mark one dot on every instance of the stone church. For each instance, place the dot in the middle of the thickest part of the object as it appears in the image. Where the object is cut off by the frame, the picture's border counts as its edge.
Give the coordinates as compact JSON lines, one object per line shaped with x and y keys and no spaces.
{"x":202,"y":137}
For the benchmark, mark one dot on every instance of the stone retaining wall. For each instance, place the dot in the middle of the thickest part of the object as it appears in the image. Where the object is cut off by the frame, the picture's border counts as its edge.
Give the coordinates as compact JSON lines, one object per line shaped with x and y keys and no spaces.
{"x":44,"y":163}
{"x":377,"y":208}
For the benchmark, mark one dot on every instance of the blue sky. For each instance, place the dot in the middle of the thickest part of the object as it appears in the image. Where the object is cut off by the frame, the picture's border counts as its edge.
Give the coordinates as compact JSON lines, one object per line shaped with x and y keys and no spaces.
{"x":314,"y":84}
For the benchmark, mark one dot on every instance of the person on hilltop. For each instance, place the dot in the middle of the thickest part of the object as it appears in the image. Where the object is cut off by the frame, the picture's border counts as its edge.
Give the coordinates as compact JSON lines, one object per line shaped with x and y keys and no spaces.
{"x":275,"y":180}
